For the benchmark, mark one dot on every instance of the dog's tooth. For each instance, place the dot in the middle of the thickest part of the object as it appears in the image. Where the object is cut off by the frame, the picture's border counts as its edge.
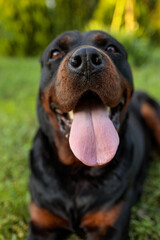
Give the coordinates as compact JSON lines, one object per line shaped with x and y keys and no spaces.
{"x":108,"y":110}
{"x":67,"y":135}
{"x":71,"y":115}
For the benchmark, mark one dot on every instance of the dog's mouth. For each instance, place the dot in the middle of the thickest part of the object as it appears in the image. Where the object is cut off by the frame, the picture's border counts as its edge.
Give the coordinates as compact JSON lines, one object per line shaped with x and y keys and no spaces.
{"x":65,"y":119}
{"x":92,"y":128}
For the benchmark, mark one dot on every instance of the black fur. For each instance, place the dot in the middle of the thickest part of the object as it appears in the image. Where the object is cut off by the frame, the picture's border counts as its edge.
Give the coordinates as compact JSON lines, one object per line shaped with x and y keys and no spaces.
{"x":72,"y":191}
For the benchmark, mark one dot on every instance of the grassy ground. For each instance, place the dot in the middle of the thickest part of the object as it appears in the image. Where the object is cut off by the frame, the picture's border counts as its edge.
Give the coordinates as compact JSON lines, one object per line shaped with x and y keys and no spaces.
{"x":19,"y":79}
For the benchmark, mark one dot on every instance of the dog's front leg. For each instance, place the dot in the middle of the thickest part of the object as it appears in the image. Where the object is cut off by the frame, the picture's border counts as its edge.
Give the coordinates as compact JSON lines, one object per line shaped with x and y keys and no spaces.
{"x":112,"y":224}
{"x":45,"y":225}
{"x":41,"y":233}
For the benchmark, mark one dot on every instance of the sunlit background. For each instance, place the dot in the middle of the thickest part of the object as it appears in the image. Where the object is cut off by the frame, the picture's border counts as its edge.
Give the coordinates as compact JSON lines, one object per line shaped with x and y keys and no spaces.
{"x":26,"y":28}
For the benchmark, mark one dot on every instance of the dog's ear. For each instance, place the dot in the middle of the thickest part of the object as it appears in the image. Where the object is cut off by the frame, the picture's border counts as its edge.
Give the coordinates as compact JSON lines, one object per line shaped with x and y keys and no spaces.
{"x":41,"y":61}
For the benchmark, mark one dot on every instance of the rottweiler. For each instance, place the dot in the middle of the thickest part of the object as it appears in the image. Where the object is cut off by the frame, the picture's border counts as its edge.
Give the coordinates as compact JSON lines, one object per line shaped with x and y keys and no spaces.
{"x":95,"y":138}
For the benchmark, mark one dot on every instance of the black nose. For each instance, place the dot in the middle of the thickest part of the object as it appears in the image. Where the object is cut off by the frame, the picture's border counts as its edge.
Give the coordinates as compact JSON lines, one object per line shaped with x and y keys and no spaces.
{"x":85,"y":59}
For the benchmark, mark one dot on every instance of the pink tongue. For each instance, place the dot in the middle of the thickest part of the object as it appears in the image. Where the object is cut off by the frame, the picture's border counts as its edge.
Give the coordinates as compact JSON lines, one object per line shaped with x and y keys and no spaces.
{"x":93,"y":138}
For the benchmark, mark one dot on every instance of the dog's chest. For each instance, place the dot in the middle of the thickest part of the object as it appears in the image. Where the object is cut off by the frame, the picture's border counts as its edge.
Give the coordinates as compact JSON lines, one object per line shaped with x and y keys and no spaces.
{"x":72,"y":196}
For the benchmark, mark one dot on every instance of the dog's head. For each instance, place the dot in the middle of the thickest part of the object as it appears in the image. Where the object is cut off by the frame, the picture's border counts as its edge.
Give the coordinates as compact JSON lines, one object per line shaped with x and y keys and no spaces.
{"x":85,"y":87}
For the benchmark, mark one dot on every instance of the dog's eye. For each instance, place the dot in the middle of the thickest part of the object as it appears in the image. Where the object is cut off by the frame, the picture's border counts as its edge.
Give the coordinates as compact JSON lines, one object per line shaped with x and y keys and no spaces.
{"x":111,"y":49}
{"x":55,"y":54}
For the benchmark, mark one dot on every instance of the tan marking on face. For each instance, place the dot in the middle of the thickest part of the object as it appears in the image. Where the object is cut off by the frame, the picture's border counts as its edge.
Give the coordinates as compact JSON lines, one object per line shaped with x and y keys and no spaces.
{"x":99,"y":38}
{"x":152,"y":120}
{"x":64,"y":42}
{"x":64,"y":152}
{"x":43,"y":218}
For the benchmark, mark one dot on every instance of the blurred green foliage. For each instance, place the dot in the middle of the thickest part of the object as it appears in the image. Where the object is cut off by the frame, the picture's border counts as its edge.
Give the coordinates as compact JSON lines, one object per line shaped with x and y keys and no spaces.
{"x":24,"y":27}
{"x":18,"y":122}
{"x":27,"y":26}
{"x":136,"y":47}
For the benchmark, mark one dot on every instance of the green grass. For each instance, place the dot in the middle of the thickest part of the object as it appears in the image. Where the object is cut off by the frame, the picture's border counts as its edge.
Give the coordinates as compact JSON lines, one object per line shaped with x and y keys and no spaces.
{"x":19,"y":80}
{"x":18,"y":89}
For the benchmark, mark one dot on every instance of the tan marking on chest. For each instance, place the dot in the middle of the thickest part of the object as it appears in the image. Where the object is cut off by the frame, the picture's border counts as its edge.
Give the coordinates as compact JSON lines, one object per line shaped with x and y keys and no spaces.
{"x":102,"y":219}
{"x":43,"y":218}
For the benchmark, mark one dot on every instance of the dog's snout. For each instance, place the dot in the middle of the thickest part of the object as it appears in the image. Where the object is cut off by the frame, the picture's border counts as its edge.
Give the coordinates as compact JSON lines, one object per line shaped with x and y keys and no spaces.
{"x":86,"y":59}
